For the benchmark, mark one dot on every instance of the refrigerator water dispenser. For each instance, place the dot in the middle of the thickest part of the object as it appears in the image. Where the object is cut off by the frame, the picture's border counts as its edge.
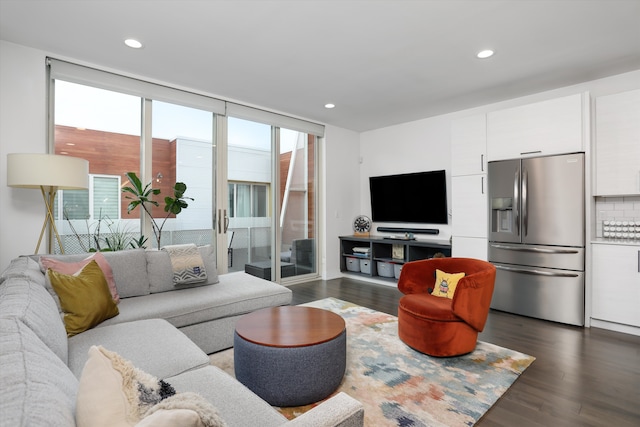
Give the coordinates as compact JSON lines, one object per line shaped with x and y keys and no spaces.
{"x":502,"y":214}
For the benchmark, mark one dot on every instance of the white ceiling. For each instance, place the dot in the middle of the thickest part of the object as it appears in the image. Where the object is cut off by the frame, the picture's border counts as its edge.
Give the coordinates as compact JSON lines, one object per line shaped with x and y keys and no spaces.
{"x":381,"y":62}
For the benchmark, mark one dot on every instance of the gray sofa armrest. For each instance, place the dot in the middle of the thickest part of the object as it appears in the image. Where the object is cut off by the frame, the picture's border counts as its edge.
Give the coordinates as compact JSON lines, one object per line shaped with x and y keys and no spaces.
{"x":341,"y":410}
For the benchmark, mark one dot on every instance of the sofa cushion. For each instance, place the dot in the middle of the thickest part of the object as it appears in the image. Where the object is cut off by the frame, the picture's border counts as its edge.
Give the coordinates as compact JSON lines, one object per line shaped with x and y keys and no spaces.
{"x":84,"y":298}
{"x":31,"y":304}
{"x":37,"y":388}
{"x":160,"y":272}
{"x":73,"y":267}
{"x":237,"y":405}
{"x":129,"y":270}
{"x":236,"y":293}
{"x":152,"y":345}
{"x":23,"y":266}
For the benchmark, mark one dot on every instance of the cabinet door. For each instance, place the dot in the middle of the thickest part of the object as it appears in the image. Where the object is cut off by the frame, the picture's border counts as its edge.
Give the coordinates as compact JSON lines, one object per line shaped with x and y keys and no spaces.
{"x":548,"y":127}
{"x":617,"y":144}
{"x":469,"y":145}
{"x":470,"y":247}
{"x":616,"y":284}
{"x":469,"y":206}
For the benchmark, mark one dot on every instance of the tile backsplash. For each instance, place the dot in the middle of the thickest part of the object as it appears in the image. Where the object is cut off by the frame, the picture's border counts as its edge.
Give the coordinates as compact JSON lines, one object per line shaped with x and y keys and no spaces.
{"x":618,"y":209}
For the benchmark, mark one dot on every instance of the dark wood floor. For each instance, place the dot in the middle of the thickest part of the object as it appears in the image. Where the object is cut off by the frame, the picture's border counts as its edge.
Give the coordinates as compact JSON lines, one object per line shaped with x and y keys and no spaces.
{"x":581,"y":376}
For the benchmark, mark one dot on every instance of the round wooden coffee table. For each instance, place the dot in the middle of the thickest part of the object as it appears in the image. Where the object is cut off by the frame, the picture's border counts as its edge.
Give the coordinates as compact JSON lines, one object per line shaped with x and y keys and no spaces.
{"x":291,"y":355}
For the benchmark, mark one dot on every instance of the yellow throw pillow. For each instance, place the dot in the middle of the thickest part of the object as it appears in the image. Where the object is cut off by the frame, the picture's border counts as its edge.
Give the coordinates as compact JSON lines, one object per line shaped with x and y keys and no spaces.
{"x":446,"y":284}
{"x":85,"y":298}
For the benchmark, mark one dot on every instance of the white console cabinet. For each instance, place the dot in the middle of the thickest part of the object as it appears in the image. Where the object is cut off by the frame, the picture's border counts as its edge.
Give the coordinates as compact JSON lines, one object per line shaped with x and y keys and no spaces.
{"x":617,"y":144}
{"x":539,"y":129}
{"x":616,"y":283}
{"x":469,"y":187}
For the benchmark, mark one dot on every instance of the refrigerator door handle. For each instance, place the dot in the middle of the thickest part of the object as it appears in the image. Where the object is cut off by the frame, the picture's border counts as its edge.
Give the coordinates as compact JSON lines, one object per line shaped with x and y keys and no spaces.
{"x":525,"y":206}
{"x":516,"y":201}
{"x":536,"y":272}
{"x":536,"y":250}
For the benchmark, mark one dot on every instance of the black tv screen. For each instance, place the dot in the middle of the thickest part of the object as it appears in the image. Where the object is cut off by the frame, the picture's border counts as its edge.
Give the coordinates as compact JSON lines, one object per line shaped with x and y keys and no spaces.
{"x":419,"y":197}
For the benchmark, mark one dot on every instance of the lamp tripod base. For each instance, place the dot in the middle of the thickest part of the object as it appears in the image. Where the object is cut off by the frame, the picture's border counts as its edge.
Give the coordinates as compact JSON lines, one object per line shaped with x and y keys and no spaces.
{"x":49,"y":197}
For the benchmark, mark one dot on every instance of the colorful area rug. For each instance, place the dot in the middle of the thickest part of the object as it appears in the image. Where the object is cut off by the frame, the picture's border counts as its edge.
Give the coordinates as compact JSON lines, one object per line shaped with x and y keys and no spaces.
{"x":399,"y":386}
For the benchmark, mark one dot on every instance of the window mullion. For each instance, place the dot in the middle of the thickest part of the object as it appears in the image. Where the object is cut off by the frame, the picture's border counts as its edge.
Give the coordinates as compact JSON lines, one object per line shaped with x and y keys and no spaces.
{"x":146,"y":163}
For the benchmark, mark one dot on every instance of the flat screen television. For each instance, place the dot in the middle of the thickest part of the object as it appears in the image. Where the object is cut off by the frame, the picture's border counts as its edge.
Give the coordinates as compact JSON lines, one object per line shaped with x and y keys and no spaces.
{"x":419,"y":197}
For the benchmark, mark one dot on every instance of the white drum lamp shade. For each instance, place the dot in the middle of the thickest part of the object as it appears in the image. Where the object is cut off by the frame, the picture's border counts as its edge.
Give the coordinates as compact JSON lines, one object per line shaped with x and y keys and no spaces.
{"x":48,"y":170}
{"x":49,"y":173}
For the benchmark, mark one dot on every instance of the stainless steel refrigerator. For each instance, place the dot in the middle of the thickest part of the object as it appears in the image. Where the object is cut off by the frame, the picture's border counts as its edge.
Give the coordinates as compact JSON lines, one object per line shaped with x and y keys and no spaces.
{"x":537,"y":236}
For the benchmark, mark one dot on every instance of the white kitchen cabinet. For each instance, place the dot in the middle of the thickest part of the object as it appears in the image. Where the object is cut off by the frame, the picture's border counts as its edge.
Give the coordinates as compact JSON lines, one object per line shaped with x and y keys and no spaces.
{"x":617,"y":144}
{"x":469,"y":247}
{"x":469,"y":205}
{"x":469,"y":145}
{"x":542,"y":128}
{"x":616,"y":283}
{"x":469,"y":228}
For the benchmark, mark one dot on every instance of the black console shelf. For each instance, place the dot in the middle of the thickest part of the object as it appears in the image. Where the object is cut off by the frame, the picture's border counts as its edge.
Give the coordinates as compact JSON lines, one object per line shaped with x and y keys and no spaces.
{"x":391,"y":253}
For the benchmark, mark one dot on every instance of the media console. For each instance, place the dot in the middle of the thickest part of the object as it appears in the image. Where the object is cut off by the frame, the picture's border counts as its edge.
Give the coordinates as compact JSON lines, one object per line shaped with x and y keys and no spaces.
{"x":380,"y":257}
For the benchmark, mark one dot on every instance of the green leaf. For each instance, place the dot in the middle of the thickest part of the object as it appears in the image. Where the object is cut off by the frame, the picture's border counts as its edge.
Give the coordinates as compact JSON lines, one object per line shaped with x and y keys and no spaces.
{"x":179,"y":189}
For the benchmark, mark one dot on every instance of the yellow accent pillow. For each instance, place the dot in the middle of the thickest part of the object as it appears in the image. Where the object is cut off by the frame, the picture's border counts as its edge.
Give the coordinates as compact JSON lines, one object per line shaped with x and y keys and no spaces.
{"x":85,"y":298}
{"x":446,"y":284}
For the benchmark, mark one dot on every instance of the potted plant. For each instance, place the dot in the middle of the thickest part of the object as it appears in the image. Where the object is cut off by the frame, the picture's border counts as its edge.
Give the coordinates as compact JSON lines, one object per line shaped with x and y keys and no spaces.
{"x":142,"y":196}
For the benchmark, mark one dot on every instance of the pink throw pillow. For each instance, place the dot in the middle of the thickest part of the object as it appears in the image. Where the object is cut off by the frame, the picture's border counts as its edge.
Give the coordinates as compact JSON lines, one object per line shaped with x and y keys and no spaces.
{"x":71,"y":268}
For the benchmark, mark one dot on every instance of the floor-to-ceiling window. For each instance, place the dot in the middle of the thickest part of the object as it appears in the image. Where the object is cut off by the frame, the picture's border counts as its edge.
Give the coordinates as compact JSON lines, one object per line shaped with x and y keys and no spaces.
{"x":272,"y":197}
{"x":249,"y":173}
{"x":298,"y":201}
{"x":103,"y":127}
{"x":121,"y":126}
{"x":186,"y":147}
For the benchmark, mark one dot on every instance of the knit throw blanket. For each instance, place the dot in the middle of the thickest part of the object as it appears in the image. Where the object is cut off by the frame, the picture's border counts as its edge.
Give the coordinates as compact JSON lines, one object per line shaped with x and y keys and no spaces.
{"x":186,"y":263}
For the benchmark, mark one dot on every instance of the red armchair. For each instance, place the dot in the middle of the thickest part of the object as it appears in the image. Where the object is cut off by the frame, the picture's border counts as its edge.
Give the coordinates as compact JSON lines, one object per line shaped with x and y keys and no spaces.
{"x":441,"y":326}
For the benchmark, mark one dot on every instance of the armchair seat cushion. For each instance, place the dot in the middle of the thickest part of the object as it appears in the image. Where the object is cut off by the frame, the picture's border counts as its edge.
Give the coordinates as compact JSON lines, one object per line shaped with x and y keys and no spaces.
{"x":427,"y":306}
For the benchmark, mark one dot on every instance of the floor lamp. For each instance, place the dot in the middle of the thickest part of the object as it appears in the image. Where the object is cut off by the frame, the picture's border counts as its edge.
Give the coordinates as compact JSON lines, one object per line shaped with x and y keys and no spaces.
{"x":49,"y":173}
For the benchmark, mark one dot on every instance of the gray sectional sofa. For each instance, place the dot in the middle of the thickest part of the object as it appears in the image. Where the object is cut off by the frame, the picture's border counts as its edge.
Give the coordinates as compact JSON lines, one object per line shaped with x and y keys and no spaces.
{"x":163,"y":331}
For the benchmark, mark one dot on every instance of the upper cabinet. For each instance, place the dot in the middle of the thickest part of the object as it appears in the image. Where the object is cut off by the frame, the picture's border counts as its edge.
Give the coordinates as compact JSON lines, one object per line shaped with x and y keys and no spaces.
{"x":548,"y":127}
{"x":617,"y":144}
{"x":469,"y":145}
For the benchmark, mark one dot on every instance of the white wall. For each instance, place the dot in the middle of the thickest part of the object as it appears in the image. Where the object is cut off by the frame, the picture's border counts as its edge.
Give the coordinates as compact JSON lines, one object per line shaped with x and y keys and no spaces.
{"x":422,"y":145}
{"x":340,"y":193}
{"x":23,"y":125}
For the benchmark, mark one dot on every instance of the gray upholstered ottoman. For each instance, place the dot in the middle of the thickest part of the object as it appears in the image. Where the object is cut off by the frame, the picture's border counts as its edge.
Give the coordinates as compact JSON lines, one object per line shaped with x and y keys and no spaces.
{"x":291,"y":355}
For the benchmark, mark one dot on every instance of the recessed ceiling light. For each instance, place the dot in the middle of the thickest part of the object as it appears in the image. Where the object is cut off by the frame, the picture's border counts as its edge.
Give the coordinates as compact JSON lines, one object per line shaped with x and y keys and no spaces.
{"x":329,"y":106}
{"x":485,"y":54}
{"x":133,"y":43}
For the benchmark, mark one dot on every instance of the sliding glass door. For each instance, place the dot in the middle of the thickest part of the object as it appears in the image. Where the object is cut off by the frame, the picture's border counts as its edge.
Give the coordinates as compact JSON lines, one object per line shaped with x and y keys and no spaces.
{"x":249,"y":182}
{"x":103,"y":127}
{"x":182,"y":150}
{"x":250,"y":174}
{"x":297,"y":203}
{"x":271,"y":203}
